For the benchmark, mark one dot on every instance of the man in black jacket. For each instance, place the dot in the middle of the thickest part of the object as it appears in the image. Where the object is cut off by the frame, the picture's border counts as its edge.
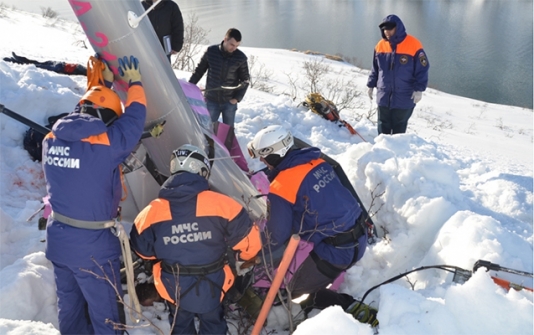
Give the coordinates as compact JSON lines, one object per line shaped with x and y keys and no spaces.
{"x":227,"y":79}
{"x":167,"y":20}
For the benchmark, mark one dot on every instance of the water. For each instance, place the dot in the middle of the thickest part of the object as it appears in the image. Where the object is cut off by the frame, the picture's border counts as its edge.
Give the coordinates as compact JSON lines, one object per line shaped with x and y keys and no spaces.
{"x":477,"y":49}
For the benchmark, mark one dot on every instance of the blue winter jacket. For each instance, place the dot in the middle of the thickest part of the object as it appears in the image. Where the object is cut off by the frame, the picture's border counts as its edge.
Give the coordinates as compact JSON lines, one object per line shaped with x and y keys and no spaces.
{"x":81,"y":158}
{"x":400,"y":67}
{"x":190,"y":225}
{"x":307,"y":198}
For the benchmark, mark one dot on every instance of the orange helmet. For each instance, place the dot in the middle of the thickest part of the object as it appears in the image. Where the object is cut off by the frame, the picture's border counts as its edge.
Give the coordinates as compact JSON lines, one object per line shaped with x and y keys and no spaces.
{"x":103,"y":97}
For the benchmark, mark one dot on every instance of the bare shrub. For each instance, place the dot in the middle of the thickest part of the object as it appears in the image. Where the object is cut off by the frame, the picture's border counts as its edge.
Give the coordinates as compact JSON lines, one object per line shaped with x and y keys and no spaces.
{"x":259,"y":75}
{"x":48,"y":12}
{"x":315,"y":70}
{"x":194,"y":39}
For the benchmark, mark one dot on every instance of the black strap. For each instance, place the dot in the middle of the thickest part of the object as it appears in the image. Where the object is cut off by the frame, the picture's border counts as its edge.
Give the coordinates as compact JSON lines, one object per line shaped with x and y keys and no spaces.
{"x":350,"y":236}
{"x":325,"y":267}
{"x":194,"y":270}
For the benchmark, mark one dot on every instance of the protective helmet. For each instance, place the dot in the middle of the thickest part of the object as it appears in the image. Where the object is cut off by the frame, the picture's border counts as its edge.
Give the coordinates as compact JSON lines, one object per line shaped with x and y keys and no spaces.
{"x":102,"y":103}
{"x":190,"y":158}
{"x":272,"y":143}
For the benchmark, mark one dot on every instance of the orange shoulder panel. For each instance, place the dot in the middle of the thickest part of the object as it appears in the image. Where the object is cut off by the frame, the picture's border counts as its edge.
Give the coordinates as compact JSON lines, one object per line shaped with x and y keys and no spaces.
{"x":383,"y":47}
{"x":250,"y":245}
{"x":158,"y":210}
{"x":160,"y":287}
{"x":409,"y":46}
{"x":97,"y":139}
{"x":211,"y":203}
{"x":287,"y":183}
{"x":136,"y":93}
{"x":228,"y":280}
{"x":50,"y":135}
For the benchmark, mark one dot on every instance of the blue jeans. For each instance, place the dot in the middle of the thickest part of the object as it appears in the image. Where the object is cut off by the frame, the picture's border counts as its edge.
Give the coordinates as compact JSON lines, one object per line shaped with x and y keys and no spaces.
{"x":227,"y":110}
{"x":393,"y":120}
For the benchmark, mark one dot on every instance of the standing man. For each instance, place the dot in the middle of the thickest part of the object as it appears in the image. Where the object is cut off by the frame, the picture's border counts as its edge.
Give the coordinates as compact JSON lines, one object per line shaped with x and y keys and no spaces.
{"x":166,"y":18}
{"x":307,"y":198}
{"x":227,"y":67}
{"x":188,"y":230}
{"x":400,"y":74}
{"x":81,"y":162}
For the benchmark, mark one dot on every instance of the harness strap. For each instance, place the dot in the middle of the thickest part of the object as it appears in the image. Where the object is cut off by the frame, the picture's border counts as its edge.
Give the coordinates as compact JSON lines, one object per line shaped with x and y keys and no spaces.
{"x":325,"y":267}
{"x":81,"y":223}
{"x":194,"y":270}
{"x":347,"y":237}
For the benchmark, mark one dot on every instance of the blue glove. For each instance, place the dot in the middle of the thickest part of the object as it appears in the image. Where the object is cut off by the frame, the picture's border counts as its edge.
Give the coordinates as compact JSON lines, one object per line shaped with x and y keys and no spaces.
{"x":129,"y":69}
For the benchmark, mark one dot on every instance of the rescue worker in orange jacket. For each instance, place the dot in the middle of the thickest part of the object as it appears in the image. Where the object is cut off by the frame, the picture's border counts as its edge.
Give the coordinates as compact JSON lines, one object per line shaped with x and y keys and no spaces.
{"x":400,"y":74}
{"x":81,"y":158}
{"x":188,"y":230}
{"x":306,"y":197}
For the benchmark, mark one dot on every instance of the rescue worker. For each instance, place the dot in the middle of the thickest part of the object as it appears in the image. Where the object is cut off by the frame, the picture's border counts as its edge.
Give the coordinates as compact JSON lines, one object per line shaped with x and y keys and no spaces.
{"x":188,"y":230}
{"x":307,"y":198}
{"x":400,"y":74}
{"x":81,"y":162}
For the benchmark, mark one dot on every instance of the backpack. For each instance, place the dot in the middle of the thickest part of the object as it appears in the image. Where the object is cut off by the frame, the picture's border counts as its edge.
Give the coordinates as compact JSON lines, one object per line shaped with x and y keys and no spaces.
{"x":321,"y":106}
{"x":328,"y":110}
{"x":33,"y":140}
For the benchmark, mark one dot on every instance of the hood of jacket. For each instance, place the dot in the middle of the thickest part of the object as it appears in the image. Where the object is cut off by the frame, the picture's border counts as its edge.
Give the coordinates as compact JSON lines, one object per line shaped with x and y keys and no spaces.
{"x":183,"y":186}
{"x":400,"y":32}
{"x":295,"y":157}
{"x":77,"y":126}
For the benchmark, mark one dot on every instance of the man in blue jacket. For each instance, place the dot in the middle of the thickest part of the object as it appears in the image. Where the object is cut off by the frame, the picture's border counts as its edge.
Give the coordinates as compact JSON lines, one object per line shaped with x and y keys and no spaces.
{"x":227,"y":67}
{"x":400,"y":74}
{"x":307,"y":198}
{"x":81,"y":161}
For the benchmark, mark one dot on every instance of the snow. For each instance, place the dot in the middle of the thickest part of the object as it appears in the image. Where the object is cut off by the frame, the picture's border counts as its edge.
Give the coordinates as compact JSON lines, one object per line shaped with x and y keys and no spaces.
{"x":456,"y":188}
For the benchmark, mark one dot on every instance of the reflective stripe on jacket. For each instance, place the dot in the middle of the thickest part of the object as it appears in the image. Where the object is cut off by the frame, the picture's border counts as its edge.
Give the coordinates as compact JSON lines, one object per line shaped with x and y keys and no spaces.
{"x":224,"y":69}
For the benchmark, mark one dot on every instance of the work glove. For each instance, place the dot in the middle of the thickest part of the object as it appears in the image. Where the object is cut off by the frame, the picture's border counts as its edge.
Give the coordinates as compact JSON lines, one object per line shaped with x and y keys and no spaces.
{"x":244,"y":267}
{"x":129,"y":69}
{"x":106,"y":73}
{"x":416,"y":96}
{"x":370,"y":92}
{"x":157,"y":130}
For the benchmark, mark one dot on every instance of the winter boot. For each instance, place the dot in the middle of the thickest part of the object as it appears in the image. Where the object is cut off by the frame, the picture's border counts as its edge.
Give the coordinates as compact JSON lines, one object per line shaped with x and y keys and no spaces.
{"x":363,"y":313}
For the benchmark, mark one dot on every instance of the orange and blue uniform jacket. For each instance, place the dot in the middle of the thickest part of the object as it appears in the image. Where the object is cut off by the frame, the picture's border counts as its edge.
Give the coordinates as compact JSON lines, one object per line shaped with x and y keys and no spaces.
{"x":400,"y":67}
{"x":81,"y":158}
{"x":307,"y":198}
{"x":190,"y":225}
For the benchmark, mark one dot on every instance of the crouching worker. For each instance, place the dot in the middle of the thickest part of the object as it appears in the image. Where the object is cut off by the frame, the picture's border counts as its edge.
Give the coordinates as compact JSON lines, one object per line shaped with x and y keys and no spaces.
{"x":81,"y":162}
{"x":188,"y":229}
{"x":307,"y":198}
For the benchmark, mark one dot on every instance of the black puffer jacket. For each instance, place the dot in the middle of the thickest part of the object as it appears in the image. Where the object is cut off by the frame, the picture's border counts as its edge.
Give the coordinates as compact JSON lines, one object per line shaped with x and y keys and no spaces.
{"x":167,"y":19}
{"x":224,"y":69}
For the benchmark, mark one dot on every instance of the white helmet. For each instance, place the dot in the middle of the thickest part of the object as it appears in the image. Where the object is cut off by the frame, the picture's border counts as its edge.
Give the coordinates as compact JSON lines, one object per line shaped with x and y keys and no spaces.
{"x":190,"y":158}
{"x":271,"y":140}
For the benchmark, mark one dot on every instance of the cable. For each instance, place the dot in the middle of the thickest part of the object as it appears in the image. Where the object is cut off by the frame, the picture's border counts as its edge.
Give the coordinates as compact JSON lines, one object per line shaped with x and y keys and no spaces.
{"x":441,"y":267}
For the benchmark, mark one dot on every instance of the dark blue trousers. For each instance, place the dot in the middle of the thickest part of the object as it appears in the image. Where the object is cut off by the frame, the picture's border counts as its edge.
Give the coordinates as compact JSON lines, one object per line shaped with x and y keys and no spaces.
{"x":212,"y":322}
{"x":84,"y":301}
{"x":393,"y":120}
